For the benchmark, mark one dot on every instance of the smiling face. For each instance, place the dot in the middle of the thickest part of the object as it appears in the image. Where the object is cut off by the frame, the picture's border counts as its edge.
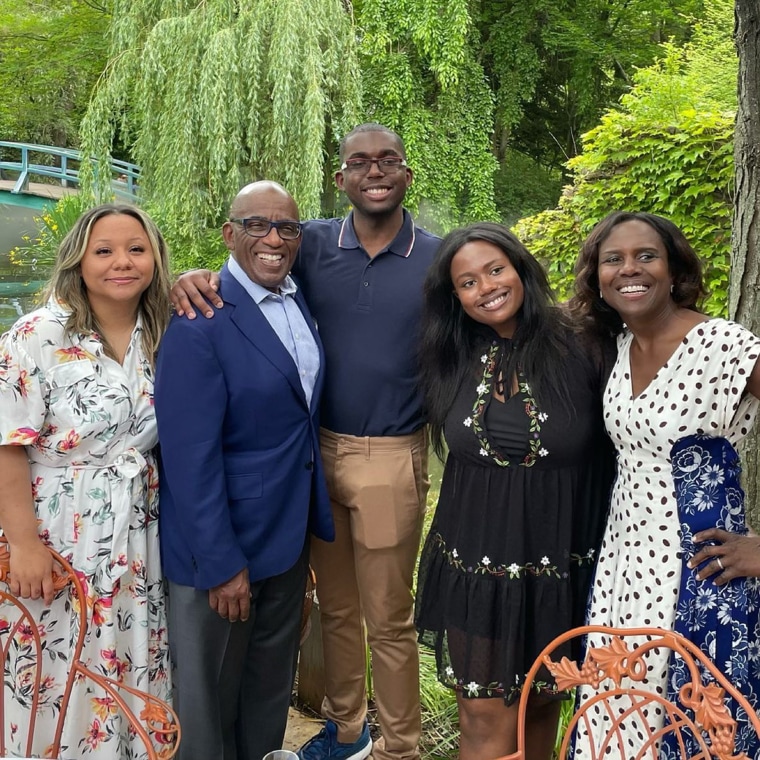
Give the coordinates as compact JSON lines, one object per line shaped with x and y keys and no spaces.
{"x":118,"y":262}
{"x":374,"y":193}
{"x":488,"y":286}
{"x":265,"y":260}
{"x":633,"y":272}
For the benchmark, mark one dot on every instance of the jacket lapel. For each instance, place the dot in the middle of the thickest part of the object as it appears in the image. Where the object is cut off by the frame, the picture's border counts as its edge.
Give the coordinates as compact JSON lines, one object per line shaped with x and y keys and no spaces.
{"x":247,"y":317}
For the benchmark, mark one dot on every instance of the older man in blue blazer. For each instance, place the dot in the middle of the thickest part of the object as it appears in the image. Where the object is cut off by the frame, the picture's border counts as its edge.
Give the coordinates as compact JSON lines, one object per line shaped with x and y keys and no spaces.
{"x":241,"y":486}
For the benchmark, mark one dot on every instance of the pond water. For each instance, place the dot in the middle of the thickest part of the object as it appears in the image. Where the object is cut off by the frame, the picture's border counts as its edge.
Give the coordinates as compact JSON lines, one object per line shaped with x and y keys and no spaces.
{"x":18,"y":285}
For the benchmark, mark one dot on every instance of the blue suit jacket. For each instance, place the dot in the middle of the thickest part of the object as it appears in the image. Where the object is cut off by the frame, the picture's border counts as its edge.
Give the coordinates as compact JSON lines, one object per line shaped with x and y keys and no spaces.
{"x":241,"y":479}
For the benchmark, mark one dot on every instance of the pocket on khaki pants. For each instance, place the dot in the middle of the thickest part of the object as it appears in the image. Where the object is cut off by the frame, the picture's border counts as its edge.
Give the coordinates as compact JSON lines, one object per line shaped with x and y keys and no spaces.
{"x":386,"y":506}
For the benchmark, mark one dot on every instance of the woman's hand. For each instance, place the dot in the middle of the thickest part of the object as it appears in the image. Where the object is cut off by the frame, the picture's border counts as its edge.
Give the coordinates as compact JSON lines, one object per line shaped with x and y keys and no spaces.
{"x":733,"y":556}
{"x":196,"y":288}
{"x":31,"y":571}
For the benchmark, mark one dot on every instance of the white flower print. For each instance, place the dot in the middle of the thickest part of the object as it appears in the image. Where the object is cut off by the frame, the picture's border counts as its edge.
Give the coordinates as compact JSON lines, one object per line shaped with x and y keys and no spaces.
{"x":513,"y":570}
{"x":454,"y":553}
{"x":468,"y":422}
{"x":544,"y":561}
{"x":449,"y":672}
{"x":542,"y":452}
{"x":687,"y":463}
{"x":543,"y":416}
{"x":705,"y":599}
{"x":472,"y":688}
{"x":486,"y":560}
{"x":702,"y":499}
{"x":484,"y":358}
{"x":713,"y":475}
{"x":483,"y":453}
{"x":481,"y":389}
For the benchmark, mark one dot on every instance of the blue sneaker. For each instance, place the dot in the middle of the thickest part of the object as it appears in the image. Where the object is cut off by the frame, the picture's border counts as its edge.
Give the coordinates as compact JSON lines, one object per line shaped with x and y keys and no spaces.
{"x":325,"y":745}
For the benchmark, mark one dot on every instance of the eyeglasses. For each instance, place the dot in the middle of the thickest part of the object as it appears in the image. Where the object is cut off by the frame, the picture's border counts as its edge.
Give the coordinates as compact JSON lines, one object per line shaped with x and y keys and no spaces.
{"x":259,"y":227}
{"x":386,"y":164}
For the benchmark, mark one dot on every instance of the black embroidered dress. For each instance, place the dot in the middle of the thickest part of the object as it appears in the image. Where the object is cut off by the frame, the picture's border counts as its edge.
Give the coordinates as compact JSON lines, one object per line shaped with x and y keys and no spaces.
{"x":508,"y":559}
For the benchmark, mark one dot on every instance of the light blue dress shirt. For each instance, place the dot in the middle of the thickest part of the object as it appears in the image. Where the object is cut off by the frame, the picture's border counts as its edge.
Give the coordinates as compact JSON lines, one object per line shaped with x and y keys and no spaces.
{"x":288,"y":321}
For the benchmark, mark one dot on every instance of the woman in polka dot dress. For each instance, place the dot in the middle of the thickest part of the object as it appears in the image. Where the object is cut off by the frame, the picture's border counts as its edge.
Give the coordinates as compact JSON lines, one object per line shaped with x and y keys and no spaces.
{"x":508,"y":559}
{"x":683,"y":392}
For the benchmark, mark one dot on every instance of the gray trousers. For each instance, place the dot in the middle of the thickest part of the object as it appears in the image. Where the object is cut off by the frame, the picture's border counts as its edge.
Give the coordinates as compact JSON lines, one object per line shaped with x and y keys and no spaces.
{"x":233,"y":681}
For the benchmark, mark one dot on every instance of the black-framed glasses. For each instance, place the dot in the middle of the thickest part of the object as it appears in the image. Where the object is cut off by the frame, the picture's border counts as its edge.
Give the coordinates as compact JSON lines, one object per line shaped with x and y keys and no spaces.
{"x":385,"y":164}
{"x":259,"y":227}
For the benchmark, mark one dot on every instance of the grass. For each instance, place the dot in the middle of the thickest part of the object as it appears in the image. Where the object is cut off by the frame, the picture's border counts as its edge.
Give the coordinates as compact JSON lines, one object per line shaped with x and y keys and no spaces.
{"x":440,"y":724}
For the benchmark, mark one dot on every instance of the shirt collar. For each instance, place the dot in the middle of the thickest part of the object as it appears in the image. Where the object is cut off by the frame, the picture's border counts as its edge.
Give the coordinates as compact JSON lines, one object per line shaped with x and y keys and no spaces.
{"x":401,"y":245}
{"x":258,"y":292}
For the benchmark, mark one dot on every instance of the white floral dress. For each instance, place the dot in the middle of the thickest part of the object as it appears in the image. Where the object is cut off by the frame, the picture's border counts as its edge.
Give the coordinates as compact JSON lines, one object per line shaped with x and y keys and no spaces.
{"x":89,"y":429}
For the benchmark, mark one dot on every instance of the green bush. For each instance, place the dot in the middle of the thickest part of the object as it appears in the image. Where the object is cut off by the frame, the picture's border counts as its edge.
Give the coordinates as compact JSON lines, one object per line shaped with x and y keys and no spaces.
{"x":668,"y":150}
{"x":52,"y":226}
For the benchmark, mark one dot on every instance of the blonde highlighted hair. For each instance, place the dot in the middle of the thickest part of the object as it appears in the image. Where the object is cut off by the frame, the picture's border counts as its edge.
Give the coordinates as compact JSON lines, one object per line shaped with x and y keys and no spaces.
{"x":66,"y":284}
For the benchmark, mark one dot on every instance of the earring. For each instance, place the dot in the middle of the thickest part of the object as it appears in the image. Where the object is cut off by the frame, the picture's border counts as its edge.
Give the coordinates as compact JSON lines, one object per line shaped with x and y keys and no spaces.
{"x":600,"y":294}
{"x":671,"y":287}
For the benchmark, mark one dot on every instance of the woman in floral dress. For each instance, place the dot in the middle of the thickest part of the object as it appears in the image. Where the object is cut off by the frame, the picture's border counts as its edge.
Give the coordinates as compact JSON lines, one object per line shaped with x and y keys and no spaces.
{"x":77,"y":423}
{"x":505,"y":568}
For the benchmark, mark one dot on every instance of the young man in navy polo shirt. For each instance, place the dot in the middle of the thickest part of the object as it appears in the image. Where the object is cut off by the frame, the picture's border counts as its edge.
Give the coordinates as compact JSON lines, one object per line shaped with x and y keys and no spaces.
{"x":362,"y":277}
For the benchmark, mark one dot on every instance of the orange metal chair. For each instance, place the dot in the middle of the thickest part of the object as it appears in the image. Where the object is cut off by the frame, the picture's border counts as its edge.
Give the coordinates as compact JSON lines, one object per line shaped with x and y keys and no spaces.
{"x":700,"y":712}
{"x":157,"y":724}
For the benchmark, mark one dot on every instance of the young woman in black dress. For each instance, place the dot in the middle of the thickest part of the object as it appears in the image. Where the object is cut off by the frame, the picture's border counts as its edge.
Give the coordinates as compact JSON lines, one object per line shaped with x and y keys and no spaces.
{"x":515,"y":391}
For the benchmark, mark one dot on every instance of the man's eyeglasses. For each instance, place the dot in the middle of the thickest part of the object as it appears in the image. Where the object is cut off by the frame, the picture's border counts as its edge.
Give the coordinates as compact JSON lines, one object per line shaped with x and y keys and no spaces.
{"x":259,"y":227}
{"x":386,"y":164}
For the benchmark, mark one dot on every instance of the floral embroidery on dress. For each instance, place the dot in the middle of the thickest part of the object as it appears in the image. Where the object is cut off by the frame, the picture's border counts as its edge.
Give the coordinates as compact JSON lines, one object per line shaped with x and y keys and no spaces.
{"x":535,"y":449}
{"x":486,"y":566}
{"x":473,"y":690}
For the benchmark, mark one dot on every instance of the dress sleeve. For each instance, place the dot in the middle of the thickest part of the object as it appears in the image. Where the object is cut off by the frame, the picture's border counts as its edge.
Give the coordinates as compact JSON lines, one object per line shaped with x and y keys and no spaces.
{"x":23,"y":404}
{"x":733,"y":352}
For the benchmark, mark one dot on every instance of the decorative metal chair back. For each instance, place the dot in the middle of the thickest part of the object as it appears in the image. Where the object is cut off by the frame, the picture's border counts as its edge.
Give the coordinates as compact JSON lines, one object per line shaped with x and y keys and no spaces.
{"x":698,"y":727}
{"x":157,"y":724}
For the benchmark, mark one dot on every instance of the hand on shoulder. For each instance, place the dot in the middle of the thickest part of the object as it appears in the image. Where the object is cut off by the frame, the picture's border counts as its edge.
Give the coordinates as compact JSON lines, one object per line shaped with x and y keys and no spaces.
{"x":196,"y":288}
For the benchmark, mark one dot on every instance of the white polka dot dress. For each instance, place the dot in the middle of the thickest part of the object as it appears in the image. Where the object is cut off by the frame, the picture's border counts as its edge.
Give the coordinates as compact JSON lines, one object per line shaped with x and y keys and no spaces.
{"x":700,"y":390}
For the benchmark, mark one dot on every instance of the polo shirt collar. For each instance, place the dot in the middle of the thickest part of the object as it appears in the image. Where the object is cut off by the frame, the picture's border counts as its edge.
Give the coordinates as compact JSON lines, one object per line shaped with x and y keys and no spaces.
{"x":257,"y":292}
{"x":401,"y":245}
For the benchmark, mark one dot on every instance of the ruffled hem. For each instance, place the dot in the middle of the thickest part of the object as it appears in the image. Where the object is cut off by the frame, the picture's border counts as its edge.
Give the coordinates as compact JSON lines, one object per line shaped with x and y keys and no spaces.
{"x":487,"y":629}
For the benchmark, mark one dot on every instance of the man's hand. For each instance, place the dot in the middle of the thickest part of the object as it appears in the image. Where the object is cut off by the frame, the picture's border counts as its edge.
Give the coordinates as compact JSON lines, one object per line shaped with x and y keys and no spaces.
{"x":733,"y":556}
{"x":31,"y":571}
{"x":196,"y":288}
{"x":232,"y":600}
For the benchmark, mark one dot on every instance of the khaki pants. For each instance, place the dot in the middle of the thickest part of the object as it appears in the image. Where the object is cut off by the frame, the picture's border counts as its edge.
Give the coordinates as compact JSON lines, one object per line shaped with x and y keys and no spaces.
{"x":378,"y":488}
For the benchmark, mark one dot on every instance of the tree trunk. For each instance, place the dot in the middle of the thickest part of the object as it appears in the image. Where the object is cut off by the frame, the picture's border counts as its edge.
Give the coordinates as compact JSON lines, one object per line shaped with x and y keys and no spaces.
{"x":744,"y":291}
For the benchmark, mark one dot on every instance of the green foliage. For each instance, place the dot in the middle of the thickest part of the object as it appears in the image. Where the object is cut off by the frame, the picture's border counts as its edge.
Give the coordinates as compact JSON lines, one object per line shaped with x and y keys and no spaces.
{"x":440,"y":721}
{"x":422,"y":77}
{"x":522,"y":187}
{"x":667,"y":150}
{"x":51,"y":53}
{"x":556,"y":65}
{"x":211,"y":95}
{"x":52,"y":226}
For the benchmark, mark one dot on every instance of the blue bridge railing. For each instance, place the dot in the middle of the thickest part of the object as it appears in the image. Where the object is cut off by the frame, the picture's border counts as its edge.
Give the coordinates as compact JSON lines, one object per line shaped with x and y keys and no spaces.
{"x":28,"y":160}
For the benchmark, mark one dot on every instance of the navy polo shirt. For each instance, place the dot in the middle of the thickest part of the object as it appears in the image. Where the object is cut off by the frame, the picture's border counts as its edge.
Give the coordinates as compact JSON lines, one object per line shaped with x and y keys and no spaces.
{"x":368,"y":315}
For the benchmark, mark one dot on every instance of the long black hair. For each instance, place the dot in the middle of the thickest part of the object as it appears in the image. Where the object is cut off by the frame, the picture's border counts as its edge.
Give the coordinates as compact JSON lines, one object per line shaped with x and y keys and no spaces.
{"x":451,"y":341}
